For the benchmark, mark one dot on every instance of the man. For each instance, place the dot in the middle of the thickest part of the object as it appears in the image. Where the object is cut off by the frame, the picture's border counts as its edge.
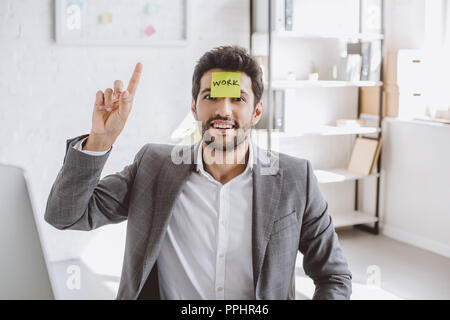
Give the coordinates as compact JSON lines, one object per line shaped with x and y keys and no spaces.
{"x":224,"y":223}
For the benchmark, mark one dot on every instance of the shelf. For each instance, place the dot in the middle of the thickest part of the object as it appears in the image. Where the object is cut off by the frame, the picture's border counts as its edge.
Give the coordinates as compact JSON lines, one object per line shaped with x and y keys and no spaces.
{"x":327,"y":131}
{"x":298,"y":35}
{"x":339,"y":175}
{"x":417,"y":121}
{"x":316,"y":40}
{"x":351,"y":218}
{"x":295,"y":84}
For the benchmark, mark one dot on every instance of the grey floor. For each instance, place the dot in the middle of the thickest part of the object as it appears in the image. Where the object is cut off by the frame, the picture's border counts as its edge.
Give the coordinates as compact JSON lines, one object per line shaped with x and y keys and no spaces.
{"x":406,"y":271}
{"x":382,"y":268}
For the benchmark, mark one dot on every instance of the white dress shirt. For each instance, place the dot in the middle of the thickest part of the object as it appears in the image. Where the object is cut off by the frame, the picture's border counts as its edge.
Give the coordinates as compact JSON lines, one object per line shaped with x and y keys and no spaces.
{"x":79,"y":147}
{"x":207,"y":250}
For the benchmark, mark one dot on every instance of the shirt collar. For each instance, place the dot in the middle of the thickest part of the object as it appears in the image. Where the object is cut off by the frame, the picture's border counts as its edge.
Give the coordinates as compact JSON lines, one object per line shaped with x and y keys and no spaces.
{"x":199,"y":157}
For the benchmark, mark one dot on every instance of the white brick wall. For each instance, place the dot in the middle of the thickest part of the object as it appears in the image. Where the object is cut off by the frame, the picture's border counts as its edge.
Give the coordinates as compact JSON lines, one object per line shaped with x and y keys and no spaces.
{"x":47,"y":93}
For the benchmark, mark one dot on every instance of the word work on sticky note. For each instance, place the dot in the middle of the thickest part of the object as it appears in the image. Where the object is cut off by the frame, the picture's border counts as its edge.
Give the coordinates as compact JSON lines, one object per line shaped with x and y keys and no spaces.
{"x":226,"y":84}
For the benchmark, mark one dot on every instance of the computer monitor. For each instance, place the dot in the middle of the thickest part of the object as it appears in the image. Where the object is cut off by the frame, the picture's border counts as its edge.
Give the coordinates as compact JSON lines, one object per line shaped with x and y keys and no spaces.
{"x":23,"y":270}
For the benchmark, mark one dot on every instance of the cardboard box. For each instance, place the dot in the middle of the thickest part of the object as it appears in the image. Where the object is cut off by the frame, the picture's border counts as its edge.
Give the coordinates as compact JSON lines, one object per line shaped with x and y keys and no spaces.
{"x":390,"y":68}
{"x":370,"y":100}
{"x":390,"y":100}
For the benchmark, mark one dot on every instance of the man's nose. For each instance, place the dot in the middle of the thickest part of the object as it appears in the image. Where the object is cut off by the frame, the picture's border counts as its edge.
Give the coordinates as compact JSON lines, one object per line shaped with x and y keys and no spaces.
{"x":224,"y":107}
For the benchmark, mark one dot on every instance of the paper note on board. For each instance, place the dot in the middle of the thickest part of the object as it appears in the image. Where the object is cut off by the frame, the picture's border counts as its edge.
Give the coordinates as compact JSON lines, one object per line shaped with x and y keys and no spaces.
{"x":226,"y":84}
{"x":105,"y":18}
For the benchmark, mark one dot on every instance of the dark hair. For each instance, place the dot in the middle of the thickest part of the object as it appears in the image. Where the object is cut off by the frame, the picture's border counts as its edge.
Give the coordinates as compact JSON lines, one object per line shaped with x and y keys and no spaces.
{"x":229,"y":58}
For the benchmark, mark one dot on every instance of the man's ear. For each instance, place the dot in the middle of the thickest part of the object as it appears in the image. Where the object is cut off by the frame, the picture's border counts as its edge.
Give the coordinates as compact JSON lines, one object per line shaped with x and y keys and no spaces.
{"x":194,"y":109}
{"x":257,"y":113}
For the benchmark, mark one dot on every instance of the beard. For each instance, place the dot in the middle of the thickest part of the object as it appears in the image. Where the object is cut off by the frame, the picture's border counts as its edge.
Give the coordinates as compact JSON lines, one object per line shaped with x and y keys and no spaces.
{"x":224,"y":142}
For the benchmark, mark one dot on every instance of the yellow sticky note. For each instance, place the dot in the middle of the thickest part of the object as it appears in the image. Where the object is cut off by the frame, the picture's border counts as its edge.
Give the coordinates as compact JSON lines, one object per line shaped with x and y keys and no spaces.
{"x":226,"y":84}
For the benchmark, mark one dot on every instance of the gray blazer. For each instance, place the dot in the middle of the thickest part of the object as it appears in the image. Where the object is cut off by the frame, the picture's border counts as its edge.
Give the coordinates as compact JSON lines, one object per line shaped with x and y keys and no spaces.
{"x":289,"y":214}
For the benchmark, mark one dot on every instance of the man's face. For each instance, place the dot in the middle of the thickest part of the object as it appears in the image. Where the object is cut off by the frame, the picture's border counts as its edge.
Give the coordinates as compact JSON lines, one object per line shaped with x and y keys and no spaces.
{"x":226,"y":122}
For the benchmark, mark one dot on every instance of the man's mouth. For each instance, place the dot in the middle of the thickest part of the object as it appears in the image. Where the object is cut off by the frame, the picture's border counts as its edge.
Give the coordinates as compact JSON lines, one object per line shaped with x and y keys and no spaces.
{"x":223,"y":127}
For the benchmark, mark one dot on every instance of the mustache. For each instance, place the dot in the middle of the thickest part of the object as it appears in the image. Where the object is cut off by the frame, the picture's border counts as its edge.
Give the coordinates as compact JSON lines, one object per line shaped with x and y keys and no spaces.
{"x":208,"y":123}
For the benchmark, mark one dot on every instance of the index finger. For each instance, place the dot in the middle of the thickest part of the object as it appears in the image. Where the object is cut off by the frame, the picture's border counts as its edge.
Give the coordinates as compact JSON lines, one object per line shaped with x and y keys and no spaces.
{"x":134,"y":81}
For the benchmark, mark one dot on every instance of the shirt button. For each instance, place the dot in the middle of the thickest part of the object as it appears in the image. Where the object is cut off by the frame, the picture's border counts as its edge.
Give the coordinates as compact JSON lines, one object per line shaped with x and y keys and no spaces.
{"x":221,"y":255}
{"x":219,"y":289}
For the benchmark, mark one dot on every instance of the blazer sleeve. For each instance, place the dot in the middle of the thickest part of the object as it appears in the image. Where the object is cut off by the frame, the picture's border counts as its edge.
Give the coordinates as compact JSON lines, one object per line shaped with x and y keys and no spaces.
{"x":323,"y":259}
{"x":79,"y":201}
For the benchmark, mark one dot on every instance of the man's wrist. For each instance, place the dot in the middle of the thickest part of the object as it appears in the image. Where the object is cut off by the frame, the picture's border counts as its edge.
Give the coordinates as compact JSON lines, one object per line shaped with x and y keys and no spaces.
{"x":95,"y":143}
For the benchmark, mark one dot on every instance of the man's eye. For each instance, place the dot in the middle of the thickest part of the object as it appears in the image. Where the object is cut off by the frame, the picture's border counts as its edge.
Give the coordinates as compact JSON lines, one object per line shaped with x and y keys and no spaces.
{"x":208,"y":97}
{"x":238,"y":99}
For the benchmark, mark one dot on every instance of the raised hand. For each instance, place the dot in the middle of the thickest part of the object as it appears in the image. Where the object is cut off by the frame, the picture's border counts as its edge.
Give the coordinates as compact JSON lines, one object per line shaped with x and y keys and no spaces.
{"x":111,"y":111}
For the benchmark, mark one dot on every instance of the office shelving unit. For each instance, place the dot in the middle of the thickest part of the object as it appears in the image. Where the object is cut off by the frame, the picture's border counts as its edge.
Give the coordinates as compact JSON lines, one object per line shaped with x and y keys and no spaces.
{"x":296,"y":84}
{"x":355,"y":218}
{"x":293,"y":34}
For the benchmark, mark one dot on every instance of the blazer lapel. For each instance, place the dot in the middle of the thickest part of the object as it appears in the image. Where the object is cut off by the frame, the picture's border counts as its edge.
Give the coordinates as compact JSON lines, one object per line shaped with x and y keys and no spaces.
{"x":171,"y":179}
{"x":267,"y":181}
